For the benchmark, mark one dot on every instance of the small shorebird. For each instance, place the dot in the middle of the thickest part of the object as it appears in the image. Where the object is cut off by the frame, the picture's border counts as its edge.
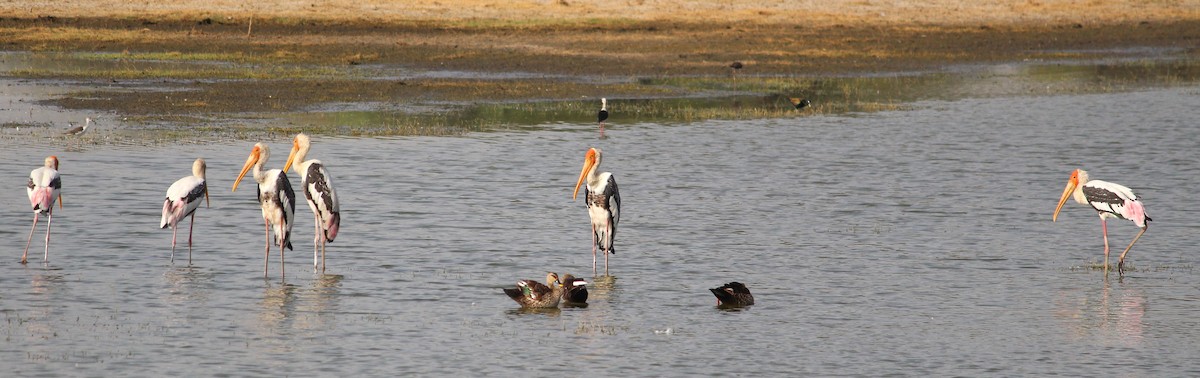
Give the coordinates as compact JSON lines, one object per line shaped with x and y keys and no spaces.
{"x":1111,"y":201}
{"x":603,"y":114}
{"x":79,"y":130}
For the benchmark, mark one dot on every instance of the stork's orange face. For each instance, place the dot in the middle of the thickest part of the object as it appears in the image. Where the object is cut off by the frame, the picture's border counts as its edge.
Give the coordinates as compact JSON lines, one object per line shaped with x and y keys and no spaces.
{"x":1071,"y":185}
{"x":589,"y":161}
{"x":255,"y":155}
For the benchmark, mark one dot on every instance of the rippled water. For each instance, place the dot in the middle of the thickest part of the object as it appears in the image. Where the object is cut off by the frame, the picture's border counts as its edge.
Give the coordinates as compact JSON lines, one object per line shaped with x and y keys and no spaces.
{"x":914,"y":242}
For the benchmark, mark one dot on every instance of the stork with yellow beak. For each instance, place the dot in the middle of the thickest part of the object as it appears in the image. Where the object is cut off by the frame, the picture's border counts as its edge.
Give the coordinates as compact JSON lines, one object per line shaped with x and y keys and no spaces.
{"x":183,"y":198}
{"x":277,"y":199}
{"x":603,"y":203}
{"x":317,"y":186}
{"x":1111,"y":201}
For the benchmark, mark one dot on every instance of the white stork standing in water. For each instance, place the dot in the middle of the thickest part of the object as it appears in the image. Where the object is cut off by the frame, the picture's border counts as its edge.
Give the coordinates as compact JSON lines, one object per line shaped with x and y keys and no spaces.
{"x":277,"y":199}
{"x":1111,"y":201}
{"x":183,"y":198}
{"x":322,"y":198}
{"x":603,"y":203}
{"x":43,"y":189}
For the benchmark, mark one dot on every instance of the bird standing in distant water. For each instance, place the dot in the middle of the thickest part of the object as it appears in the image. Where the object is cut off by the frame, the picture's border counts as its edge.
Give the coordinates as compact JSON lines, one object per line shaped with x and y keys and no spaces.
{"x":43,"y":189}
{"x":1111,"y":201}
{"x":183,"y":198}
{"x":799,"y":103}
{"x":79,"y":130}
{"x":733,"y":294}
{"x":603,"y":114}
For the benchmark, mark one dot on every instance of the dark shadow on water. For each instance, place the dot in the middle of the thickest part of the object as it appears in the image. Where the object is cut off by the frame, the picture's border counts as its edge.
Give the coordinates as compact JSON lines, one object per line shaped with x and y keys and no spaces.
{"x":550,"y":311}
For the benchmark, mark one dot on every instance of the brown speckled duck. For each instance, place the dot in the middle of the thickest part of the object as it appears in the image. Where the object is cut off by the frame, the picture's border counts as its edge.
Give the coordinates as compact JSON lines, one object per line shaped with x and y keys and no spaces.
{"x":533,"y":294}
{"x":574,"y":289}
{"x":733,"y":294}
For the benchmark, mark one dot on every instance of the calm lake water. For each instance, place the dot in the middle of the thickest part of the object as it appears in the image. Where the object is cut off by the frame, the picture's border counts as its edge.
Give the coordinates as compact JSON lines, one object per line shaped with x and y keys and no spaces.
{"x":914,"y":242}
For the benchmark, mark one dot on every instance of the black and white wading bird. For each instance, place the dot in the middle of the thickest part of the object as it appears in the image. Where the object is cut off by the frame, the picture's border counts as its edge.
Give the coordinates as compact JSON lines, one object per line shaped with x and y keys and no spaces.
{"x":43,"y":189}
{"x":322,"y":198}
{"x":603,"y":114}
{"x":603,"y":204}
{"x":79,"y":130}
{"x":799,"y":103}
{"x":1111,"y":201}
{"x":183,"y":198}
{"x":277,"y":199}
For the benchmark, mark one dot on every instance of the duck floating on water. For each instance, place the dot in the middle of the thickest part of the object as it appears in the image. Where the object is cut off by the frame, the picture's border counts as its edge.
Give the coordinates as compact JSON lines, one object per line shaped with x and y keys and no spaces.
{"x":733,"y":294}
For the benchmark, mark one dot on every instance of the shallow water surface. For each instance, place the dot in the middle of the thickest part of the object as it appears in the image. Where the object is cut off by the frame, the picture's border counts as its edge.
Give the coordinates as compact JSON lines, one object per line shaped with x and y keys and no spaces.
{"x":913,"y":242}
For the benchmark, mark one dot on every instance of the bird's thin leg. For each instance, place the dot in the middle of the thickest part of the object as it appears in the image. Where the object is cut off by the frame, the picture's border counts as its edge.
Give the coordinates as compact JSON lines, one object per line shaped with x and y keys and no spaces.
{"x":30,"y":240}
{"x":267,"y":237}
{"x":593,"y":250}
{"x":282,"y":274}
{"x":1104,"y":228}
{"x":1121,"y":260}
{"x":322,"y":253}
{"x":316,"y":238}
{"x":49,"y":217}
{"x":191,"y":227}
{"x":173,"y":230}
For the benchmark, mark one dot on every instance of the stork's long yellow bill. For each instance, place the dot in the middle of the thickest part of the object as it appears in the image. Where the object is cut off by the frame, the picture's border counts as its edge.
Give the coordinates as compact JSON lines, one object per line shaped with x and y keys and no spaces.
{"x":588,"y":162}
{"x":250,"y":161}
{"x":1070,"y":189}
{"x":291,"y":155}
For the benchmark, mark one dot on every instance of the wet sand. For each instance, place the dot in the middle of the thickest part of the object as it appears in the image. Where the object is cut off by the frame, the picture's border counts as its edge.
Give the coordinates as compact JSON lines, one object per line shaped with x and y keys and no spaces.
{"x":603,"y":48}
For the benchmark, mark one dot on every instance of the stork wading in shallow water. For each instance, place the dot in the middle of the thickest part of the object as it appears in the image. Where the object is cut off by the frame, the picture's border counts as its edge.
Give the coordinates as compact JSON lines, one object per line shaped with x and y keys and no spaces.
{"x":322,"y":198}
{"x":277,"y":199}
{"x":603,"y":203}
{"x":1111,"y":201}
{"x":183,"y":198}
{"x":43,"y":189}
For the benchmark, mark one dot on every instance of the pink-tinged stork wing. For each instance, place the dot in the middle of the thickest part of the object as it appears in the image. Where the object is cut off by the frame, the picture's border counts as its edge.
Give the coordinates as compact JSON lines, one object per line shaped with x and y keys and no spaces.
{"x":1115,"y":200}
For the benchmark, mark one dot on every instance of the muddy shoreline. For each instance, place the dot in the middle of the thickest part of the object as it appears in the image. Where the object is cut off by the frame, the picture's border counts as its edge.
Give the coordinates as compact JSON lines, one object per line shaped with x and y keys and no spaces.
{"x":255,"y":61}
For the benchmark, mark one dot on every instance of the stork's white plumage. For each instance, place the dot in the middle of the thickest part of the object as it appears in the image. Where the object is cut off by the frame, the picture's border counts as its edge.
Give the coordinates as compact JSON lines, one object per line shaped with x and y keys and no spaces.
{"x":277,"y":199}
{"x":1111,"y":201}
{"x":322,"y":198}
{"x":183,"y":198}
{"x":603,"y":202}
{"x":43,"y":189}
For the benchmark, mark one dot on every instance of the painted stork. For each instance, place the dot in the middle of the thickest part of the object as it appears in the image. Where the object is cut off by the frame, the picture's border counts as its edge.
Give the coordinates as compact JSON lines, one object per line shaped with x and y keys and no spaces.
{"x":79,"y":130}
{"x":277,"y":199}
{"x":603,"y":114}
{"x":603,"y":204}
{"x":322,"y":198}
{"x":1111,"y":201}
{"x":183,"y":198}
{"x":43,"y":189}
